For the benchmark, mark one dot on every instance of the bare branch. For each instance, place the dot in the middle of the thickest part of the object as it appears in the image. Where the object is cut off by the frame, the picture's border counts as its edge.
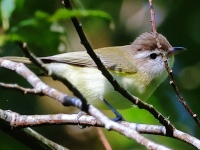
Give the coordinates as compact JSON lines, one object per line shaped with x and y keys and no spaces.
{"x":27,"y":136}
{"x":19,"y":88}
{"x":133,"y":134}
{"x":180,"y":97}
{"x":170,"y":72}
{"x":103,"y":139}
{"x":38,"y":85}
{"x":70,"y":101}
{"x":18,"y":121}
{"x":160,"y":130}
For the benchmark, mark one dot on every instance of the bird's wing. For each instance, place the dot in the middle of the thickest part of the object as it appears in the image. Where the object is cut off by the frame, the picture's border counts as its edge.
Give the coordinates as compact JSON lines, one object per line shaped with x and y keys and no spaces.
{"x":80,"y":58}
{"x":114,"y":60}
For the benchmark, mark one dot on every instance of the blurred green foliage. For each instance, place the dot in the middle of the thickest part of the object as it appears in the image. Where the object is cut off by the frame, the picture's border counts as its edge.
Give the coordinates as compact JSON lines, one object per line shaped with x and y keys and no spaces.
{"x":46,"y":27}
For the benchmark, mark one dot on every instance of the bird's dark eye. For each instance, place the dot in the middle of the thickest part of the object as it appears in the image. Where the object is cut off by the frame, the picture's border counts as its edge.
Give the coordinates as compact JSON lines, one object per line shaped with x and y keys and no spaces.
{"x":153,"y":55}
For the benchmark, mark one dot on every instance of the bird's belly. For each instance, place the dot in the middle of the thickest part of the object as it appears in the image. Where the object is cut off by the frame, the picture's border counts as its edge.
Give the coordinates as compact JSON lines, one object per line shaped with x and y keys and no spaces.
{"x":95,"y":87}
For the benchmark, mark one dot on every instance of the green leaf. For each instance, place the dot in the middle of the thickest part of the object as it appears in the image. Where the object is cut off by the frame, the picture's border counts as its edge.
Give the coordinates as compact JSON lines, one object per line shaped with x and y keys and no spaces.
{"x":65,"y":14}
{"x":41,"y":15}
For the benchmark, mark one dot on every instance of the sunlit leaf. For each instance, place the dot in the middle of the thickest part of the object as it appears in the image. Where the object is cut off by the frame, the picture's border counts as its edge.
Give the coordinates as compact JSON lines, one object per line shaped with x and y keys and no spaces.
{"x":41,"y":15}
{"x":7,"y":7}
{"x":65,"y":14}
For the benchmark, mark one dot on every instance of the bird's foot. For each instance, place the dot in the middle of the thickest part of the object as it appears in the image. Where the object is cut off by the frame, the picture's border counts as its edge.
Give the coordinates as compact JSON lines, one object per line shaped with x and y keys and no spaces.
{"x":118,"y":117}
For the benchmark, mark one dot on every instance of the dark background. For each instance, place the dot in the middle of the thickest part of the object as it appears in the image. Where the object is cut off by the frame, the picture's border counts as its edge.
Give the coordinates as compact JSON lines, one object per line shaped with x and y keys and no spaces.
{"x":31,"y":21}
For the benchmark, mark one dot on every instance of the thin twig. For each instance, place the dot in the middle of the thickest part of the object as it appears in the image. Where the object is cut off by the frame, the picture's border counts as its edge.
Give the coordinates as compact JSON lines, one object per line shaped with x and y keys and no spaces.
{"x":103,"y":139}
{"x":170,"y":72}
{"x":180,"y":98}
{"x":19,"y":88}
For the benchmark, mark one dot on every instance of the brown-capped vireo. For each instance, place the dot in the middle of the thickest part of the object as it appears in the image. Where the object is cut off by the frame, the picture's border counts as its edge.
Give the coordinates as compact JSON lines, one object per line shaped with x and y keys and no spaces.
{"x":138,"y":67}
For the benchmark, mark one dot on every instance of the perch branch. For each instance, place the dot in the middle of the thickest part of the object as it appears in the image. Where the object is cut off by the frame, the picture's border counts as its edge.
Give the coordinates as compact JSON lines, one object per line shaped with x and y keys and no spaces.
{"x":18,"y":121}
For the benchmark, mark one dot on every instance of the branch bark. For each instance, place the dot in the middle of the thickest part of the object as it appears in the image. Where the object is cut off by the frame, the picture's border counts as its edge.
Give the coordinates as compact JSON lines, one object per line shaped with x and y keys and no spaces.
{"x":17,"y":121}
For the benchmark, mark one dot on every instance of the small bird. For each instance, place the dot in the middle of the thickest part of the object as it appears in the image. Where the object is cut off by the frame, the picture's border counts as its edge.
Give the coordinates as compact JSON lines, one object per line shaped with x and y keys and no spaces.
{"x":138,"y":67}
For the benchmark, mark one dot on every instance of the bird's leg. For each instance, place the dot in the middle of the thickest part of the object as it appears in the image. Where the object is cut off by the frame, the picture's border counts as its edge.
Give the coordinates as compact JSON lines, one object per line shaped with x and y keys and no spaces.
{"x":116,"y":119}
{"x":81,"y":113}
{"x":118,"y":115}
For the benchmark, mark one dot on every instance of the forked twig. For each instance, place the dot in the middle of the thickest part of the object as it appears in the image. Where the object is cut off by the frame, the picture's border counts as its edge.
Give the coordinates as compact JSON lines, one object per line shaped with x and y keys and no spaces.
{"x":21,"y":89}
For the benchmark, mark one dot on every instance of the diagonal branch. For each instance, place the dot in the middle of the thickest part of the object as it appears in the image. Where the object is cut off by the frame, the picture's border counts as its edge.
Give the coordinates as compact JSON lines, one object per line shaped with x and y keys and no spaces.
{"x":115,"y":84}
{"x":68,"y":101}
{"x":170,"y":72}
{"x":38,"y":85}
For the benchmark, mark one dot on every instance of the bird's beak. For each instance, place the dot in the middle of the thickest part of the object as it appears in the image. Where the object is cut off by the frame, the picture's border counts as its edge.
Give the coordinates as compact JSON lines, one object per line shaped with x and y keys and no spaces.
{"x":175,"y":50}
